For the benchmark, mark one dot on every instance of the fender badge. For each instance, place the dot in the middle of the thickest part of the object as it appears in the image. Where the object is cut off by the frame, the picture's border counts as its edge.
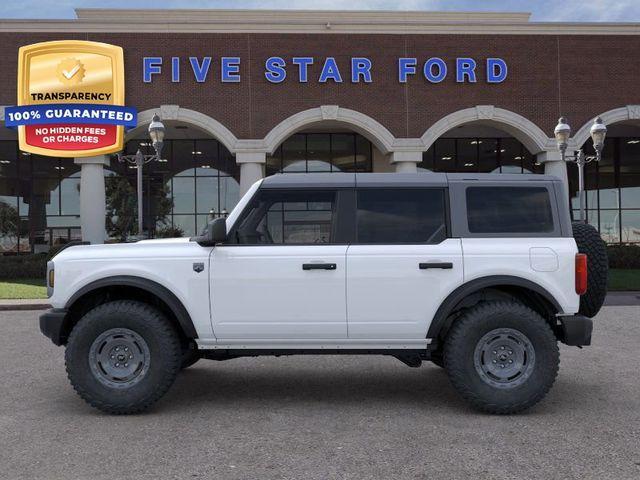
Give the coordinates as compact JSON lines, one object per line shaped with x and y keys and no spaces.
{"x":198,"y":267}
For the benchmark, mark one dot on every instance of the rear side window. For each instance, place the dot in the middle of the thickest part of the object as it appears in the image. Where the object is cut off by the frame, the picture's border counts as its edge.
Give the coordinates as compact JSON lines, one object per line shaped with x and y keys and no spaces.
{"x":401,"y":215}
{"x":509,"y":210}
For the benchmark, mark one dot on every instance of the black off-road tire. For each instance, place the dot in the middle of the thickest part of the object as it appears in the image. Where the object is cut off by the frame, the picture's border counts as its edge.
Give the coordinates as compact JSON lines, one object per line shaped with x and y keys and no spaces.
{"x":437,"y":359}
{"x":590,"y":242}
{"x":466,"y":374}
{"x":144,"y":324}
{"x":190,"y":355}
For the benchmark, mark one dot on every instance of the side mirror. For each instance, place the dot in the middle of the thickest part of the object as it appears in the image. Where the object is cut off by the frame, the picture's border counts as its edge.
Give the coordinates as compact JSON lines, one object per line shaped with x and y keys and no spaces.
{"x":216,"y":232}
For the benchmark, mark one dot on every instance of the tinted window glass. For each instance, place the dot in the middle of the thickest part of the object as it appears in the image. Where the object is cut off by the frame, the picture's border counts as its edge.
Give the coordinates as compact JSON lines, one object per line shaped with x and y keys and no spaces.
{"x":401,"y":216}
{"x":290,"y":217}
{"x":509,"y":210}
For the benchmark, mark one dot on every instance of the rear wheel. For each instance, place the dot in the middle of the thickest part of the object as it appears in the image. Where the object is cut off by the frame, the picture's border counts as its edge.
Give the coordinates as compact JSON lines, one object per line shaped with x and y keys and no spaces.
{"x":123,"y":356}
{"x":437,"y":359}
{"x":502,"y":357}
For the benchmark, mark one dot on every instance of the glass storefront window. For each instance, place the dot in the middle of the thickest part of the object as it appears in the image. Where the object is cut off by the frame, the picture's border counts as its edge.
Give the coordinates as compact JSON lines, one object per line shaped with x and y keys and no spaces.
{"x":364,"y":154}
{"x":488,"y":154}
{"x":612,"y":189}
{"x":321,"y":152}
{"x":186,"y":223}
{"x":445,"y":155}
{"x":184,"y":195}
{"x":630,"y":225}
{"x":467,"y":154}
{"x":610,"y":225}
{"x":294,"y":154}
{"x":206,"y":194}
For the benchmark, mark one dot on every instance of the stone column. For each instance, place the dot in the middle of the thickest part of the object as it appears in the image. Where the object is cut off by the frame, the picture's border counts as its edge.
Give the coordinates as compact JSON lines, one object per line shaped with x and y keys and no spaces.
{"x":406,"y":162}
{"x":553,"y":165}
{"x":93,"y":209}
{"x":251,"y":168}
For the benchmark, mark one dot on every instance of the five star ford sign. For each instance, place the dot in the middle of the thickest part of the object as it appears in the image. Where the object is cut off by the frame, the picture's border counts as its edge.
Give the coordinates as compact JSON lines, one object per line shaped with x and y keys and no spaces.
{"x":71,"y":99}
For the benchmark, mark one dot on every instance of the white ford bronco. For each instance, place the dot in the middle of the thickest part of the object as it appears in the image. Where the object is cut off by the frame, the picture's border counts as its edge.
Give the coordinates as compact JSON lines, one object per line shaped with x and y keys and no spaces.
{"x":481,"y":274}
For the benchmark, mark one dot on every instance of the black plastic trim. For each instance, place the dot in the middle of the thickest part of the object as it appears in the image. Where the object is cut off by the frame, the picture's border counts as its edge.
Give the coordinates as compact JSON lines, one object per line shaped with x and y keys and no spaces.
{"x":164,"y":294}
{"x":52,"y":325}
{"x":576,"y":330}
{"x":463,"y":291}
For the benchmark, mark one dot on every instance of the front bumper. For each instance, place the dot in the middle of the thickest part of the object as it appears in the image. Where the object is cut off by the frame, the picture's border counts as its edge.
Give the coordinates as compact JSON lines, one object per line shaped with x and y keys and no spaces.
{"x":52,"y":324}
{"x":575,"y":330}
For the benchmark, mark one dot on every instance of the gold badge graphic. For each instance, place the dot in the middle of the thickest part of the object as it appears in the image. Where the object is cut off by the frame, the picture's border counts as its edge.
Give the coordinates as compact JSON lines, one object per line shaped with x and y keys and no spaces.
{"x":78,"y":80}
{"x":70,"y":71}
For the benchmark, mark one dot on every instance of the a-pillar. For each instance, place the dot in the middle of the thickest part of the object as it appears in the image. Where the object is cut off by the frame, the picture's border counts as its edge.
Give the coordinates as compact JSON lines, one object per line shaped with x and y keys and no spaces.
{"x":251,"y":168}
{"x":93,"y":209}
{"x":406,"y":162}
{"x":553,"y":165}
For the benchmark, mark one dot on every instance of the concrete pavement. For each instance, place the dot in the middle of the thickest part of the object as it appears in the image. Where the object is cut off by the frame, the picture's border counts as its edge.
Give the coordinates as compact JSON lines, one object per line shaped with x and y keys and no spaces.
{"x":322,"y":417}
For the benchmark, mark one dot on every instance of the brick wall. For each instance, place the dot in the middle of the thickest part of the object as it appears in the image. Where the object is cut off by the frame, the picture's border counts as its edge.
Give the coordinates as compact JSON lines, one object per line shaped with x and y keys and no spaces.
{"x":549,"y":75}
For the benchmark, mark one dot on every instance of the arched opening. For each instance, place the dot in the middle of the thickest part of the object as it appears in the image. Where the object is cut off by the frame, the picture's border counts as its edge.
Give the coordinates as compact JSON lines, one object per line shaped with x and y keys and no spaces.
{"x":479,"y":147}
{"x":39,"y":199}
{"x":324,"y":149}
{"x":196,"y":180}
{"x":328,"y":139}
{"x":613,"y":185}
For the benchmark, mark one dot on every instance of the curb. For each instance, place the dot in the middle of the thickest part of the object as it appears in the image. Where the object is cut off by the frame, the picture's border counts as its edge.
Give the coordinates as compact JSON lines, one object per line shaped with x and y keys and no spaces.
{"x":7,"y":307}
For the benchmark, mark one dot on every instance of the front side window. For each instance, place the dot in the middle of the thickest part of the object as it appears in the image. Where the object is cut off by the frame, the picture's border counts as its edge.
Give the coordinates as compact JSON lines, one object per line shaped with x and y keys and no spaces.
{"x":288,"y":217}
{"x":509,"y":210}
{"x":401,"y":215}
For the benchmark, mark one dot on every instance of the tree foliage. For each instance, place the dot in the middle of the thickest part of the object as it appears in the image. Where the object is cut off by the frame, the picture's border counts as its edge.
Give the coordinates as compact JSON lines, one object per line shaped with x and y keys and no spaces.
{"x":9,"y":220}
{"x":122,"y":207}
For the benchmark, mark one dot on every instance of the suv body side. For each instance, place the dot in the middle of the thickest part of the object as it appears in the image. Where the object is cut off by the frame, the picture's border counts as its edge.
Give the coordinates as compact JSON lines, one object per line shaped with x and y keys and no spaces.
{"x":381,"y":290}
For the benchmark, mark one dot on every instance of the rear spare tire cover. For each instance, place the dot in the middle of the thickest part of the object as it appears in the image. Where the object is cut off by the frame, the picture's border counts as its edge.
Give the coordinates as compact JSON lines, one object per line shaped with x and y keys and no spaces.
{"x":589,"y":242}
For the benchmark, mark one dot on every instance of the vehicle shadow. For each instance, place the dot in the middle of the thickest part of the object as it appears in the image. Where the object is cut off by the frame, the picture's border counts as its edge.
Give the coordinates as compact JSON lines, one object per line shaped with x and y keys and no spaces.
{"x":346,"y":384}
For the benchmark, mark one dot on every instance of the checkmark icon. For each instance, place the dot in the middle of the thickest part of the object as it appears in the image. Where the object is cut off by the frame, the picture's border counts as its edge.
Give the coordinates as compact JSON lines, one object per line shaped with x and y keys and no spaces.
{"x":71,"y":73}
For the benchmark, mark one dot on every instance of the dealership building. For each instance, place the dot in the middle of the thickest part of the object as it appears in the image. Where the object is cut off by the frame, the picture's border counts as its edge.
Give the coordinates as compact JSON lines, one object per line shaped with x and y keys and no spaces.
{"x":247,"y":94}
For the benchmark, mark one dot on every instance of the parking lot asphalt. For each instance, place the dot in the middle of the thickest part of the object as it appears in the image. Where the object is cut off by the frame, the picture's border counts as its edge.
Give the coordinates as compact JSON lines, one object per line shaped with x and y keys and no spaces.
{"x":322,"y":417}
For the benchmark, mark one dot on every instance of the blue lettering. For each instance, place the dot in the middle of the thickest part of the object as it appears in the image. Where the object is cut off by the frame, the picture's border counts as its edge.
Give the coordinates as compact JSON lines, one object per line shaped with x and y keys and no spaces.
{"x":406,"y":66}
{"x":360,"y":67}
{"x":465,"y":67}
{"x":230,"y":70}
{"x":200,"y":71}
{"x":428,"y":70}
{"x":330,"y":71}
{"x":275,"y":69}
{"x":175,"y":69}
{"x":496,"y":70}
{"x":151,"y":66}
{"x":303,"y":64}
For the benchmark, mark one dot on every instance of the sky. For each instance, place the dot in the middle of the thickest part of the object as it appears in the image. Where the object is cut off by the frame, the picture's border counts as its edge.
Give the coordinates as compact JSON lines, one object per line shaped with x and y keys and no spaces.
{"x":542,"y":10}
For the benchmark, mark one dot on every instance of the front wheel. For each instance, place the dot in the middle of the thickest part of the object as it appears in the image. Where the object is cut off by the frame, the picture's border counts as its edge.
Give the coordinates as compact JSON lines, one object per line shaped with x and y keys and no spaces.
{"x":502,"y":357}
{"x":122,"y":356}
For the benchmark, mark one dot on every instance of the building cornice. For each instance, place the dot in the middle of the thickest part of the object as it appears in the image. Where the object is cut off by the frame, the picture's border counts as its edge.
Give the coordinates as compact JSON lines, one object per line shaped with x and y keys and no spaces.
{"x":307,"y":21}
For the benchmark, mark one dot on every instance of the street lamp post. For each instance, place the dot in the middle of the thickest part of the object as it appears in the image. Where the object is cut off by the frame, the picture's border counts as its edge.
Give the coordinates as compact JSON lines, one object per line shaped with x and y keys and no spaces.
{"x":562,"y":133}
{"x":156,"y":133}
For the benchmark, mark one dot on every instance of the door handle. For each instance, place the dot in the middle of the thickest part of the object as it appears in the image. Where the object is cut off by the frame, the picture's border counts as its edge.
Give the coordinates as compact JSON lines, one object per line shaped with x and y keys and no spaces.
{"x":443,"y":265}
{"x":319,"y":266}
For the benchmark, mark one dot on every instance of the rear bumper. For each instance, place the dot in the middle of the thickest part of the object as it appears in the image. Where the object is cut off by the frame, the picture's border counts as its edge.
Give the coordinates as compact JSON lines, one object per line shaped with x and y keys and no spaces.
{"x":576,"y":330}
{"x":52,"y":325}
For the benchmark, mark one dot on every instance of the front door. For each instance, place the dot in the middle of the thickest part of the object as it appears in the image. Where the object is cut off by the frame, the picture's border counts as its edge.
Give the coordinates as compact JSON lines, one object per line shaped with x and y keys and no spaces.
{"x":282,"y":274}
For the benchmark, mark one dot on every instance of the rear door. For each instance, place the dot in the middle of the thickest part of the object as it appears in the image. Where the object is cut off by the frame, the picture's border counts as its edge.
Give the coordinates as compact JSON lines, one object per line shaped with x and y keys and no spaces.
{"x":283,"y":275}
{"x":402,"y":265}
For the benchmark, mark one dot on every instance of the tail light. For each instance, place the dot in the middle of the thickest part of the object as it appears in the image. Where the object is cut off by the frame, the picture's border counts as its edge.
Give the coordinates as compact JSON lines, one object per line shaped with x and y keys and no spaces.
{"x":581,"y":273}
